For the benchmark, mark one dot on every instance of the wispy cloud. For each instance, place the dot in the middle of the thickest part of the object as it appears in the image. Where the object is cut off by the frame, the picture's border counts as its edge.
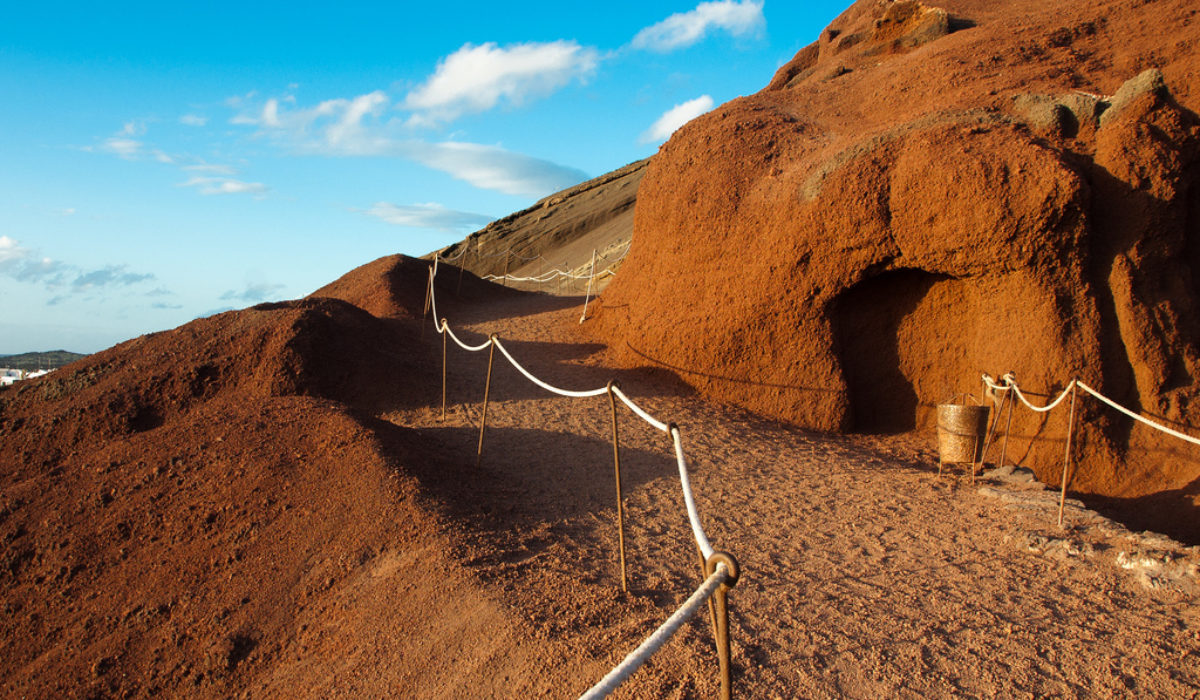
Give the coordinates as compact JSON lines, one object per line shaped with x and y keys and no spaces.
{"x":477,"y":78}
{"x":123,"y":144}
{"x":429,"y":216}
{"x":122,"y":147}
{"x":360,"y":127}
{"x":10,"y":250}
{"x":193,"y":120}
{"x":676,"y":117}
{"x":209,"y":168}
{"x":224,"y":185}
{"x":110,"y":276}
{"x":253,"y":293}
{"x":27,"y":265}
{"x":494,"y":168}
{"x":683,"y":29}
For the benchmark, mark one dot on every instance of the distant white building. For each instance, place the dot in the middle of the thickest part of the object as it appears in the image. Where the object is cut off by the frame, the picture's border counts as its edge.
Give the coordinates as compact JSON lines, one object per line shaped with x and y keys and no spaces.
{"x":10,"y":376}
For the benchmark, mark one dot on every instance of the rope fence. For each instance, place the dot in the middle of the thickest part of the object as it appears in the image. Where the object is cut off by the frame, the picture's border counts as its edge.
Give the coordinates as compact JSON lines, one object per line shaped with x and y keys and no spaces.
{"x":1008,"y":385}
{"x":554,"y":274}
{"x":720,"y":569}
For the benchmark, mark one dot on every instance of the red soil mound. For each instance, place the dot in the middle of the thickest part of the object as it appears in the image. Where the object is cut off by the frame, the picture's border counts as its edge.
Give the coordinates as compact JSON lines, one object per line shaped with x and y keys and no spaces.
{"x":395,"y":287}
{"x":215,"y":510}
{"x":933,"y":191}
{"x":180,"y":511}
{"x":390,"y":286}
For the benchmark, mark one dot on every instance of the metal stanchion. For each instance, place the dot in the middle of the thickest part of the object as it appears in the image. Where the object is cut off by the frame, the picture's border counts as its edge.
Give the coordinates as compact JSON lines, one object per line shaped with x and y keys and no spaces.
{"x":583,"y":316}
{"x":462,"y":265}
{"x":1062,"y":498}
{"x":722,"y":616}
{"x":428,"y":295}
{"x":712,"y":609}
{"x":444,"y":334}
{"x":612,"y":400}
{"x":487,"y":388}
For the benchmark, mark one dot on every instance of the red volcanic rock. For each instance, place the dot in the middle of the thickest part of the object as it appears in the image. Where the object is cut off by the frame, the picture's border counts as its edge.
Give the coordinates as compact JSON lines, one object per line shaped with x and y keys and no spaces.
{"x":933,"y":191}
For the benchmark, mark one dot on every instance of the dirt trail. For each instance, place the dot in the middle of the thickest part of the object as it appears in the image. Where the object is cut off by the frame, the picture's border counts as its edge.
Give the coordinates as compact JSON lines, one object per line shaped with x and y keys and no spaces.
{"x":865,"y":574}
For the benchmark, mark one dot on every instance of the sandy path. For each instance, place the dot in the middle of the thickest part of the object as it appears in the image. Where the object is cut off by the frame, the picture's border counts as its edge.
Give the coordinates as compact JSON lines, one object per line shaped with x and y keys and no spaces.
{"x":866,"y":575}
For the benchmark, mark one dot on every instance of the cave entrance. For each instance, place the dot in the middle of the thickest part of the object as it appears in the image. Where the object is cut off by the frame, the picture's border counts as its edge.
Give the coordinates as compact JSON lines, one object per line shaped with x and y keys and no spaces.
{"x":886,"y":345}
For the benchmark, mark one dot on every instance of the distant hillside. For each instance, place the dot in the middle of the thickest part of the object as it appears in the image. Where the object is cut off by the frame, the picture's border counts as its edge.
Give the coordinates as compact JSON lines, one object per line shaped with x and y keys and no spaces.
{"x":51,"y":359}
{"x":560,"y":231}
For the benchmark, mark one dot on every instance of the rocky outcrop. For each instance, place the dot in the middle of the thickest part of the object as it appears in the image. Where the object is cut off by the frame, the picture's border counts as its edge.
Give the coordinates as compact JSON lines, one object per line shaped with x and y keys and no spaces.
{"x":932,"y":191}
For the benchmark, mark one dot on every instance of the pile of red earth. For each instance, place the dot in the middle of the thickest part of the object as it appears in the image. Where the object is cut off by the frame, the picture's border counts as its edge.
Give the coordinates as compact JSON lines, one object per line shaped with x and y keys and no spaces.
{"x":216,"y":510}
{"x":933,"y":191}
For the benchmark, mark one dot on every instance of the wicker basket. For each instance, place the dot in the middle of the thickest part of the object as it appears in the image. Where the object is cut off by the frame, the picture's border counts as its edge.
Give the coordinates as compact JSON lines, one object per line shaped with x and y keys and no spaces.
{"x":961,"y":430}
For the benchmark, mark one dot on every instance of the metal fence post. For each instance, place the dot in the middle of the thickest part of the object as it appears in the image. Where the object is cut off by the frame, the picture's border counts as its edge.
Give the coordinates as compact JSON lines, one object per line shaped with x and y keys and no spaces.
{"x":722,"y":614}
{"x":487,"y":388}
{"x":1062,"y":498}
{"x":444,"y":334}
{"x":612,"y":400}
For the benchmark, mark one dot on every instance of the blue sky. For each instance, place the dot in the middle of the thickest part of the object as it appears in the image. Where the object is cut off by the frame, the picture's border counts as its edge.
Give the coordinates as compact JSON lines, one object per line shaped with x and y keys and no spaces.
{"x":163,"y":162}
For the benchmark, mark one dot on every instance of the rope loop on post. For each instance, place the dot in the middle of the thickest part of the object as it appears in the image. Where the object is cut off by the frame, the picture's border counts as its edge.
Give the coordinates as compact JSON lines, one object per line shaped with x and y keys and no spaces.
{"x":733,"y":570}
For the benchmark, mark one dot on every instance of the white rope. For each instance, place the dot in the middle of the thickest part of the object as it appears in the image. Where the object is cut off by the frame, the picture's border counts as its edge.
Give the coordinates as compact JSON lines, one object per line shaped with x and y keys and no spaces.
{"x":433,"y":303}
{"x":443,"y":326}
{"x":1013,"y":385}
{"x":1131,"y":414}
{"x":689,"y":501}
{"x":623,"y":254}
{"x":462,"y":251}
{"x":548,"y":275}
{"x":469,"y":348}
{"x":544,"y":385}
{"x":654,"y":642}
{"x":640,"y":411}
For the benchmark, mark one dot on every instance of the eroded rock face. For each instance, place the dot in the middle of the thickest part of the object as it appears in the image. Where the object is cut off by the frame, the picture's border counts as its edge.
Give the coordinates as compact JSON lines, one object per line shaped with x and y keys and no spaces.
{"x":930,"y":192}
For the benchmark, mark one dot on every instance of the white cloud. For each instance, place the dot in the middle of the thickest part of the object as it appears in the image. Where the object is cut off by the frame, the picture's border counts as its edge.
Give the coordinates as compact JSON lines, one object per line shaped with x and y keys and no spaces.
{"x":193,"y":120}
{"x":253,"y":293}
{"x":270,"y":113}
{"x":476,"y":78}
{"x":493,"y":168}
{"x":224,"y":185}
{"x":676,"y":117}
{"x":123,"y":147}
{"x":348,"y":130}
{"x":11,"y":251}
{"x":431,"y":216}
{"x":209,"y":168}
{"x":108,"y":276}
{"x":686,"y":28}
{"x":360,"y":127}
{"x":26,"y":265}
